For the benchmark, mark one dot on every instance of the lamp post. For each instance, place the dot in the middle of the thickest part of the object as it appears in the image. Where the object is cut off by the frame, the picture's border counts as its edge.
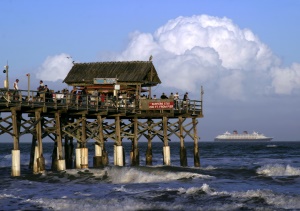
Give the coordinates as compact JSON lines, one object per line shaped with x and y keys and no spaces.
{"x":28,"y":75}
{"x":6,"y":84}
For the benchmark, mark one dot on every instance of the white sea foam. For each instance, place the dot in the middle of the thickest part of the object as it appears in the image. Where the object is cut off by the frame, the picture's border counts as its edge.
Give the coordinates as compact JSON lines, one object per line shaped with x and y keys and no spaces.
{"x":271,"y":145}
{"x":277,"y":200}
{"x":271,"y":198}
{"x":104,"y":204}
{"x":131,"y":175}
{"x":209,"y":168}
{"x":278,"y":170}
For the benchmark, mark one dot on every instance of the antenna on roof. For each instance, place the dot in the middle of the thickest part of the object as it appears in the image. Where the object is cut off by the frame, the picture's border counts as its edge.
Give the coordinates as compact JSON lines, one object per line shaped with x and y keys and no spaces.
{"x":150,"y":58}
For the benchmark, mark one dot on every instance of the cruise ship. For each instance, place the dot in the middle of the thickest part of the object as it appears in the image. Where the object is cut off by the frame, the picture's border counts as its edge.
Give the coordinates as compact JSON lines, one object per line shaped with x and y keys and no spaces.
{"x":245,"y":136}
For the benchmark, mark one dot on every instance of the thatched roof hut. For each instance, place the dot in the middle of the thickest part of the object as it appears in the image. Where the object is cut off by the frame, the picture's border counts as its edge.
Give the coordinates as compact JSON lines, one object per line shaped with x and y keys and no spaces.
{"x":130,"y":75}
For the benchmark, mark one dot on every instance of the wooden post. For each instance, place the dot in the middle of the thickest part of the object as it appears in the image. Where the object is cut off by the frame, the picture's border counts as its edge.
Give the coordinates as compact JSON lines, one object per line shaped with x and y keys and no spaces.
{"x":84,"y":150}
{"x":16,"y":162}
{"x":61,"y":163}
{"x":16,"y":122}
{"x":196,"y":148}
{"x":135,"y":151}
{"x":149,"y":146}
{"x":40,"y":158}
{"x":54,"y":157}
{"x":69,"y":148}
{"x":101,"y":138}
{"x":183,"y":157}
{"x":166,"y":148}
{"x":118,"y":149}
{"x":33,"y":144}
{"x":97,"y":159}
{"x":78,"y":150}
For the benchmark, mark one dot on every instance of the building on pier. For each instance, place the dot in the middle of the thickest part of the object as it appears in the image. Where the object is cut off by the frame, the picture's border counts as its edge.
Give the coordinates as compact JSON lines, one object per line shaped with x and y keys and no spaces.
{"x":116,"y":117}
{"x":132,"y":78}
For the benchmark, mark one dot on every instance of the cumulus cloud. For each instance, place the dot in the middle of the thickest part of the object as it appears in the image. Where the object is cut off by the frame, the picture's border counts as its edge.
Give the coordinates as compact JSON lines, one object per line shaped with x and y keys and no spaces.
{"x":55,"y":68}
{"x":201,"y":50}
{"x":190,"y":51}
{"x":286,"y":80}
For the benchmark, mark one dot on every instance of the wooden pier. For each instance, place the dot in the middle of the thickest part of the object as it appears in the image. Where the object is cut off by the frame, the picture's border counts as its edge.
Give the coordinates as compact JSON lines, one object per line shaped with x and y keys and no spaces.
{"x":80,"y":117}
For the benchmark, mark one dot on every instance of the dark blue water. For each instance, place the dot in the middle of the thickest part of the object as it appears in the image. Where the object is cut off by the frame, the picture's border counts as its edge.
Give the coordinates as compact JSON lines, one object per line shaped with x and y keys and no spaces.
{"x":232,"y":176}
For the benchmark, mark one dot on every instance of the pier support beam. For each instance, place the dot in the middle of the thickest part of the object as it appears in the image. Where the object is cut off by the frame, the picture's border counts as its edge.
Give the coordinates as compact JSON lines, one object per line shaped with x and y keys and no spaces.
{"x":69,"y":150}
{"x":84,"y":157}
{"x":39,"y":158}
{"x":78,"y":158}
{"x":101,"y":156}
{"x":183,"y":156}
{"x":166,"y":148}
{"x":32,"y":151}
{"x":118,"y":148}
{"x":196,"y":148}
{"x":149,"y":146}
{"x":97,"y":160}
{"x":84,"y":153}
{"x":135,"y":155}
{"x":61,"y":163}
{"x":16,"y":162}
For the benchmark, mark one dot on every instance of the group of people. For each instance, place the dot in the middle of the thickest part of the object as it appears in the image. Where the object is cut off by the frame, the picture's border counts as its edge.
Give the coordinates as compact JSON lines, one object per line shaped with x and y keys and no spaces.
{"x":176,"y":98}
{"x":173,"y":96}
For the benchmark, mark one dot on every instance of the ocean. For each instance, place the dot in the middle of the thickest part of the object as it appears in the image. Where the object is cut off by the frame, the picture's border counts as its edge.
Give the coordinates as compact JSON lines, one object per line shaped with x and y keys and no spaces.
{"x":232,"y":176}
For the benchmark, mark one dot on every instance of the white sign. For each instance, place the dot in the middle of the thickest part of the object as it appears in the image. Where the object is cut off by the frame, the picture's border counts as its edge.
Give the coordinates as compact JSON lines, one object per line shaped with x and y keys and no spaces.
{"x":117,"y":87}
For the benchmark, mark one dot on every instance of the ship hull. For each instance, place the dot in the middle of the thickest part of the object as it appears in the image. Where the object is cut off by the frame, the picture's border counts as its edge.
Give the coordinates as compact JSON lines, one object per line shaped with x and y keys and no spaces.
{"x":243,"y":140}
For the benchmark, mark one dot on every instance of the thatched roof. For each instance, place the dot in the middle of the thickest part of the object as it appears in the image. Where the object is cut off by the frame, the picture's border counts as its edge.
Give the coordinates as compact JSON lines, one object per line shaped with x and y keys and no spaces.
{"x":140,"y":72}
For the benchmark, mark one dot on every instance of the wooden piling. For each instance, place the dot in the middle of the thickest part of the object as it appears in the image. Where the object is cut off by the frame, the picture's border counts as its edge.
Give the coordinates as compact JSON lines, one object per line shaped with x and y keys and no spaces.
{"x":183,"y":156}
{"x":40,"y":158}
{"x":118,"y":149}
{"x":166,"y":147}
{"x":16,"y":163}
{"x":135,"y":151}
{"x":84,"y":150}
{"x":149,"y":145}
{"x":69,"y":151}
{"x":196,"y":148}
{"x":61,"y":164}
{"x":104,"y":154}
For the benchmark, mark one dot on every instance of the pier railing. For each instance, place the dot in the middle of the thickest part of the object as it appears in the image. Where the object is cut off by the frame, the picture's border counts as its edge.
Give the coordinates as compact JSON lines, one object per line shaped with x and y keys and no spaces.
{"x":25,"y":98}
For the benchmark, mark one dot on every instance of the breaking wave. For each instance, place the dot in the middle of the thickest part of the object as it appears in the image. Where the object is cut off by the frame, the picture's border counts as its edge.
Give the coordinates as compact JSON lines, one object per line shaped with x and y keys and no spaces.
{"x":272,"y":170}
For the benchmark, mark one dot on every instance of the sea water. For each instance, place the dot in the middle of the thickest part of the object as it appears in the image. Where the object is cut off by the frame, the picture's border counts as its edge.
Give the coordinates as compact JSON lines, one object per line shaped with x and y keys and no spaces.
{"x":232,"y":176}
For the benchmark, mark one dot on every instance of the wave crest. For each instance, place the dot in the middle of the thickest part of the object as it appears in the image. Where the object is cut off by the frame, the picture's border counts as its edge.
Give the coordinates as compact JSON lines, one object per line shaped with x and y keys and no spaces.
{"x":278,"y":170}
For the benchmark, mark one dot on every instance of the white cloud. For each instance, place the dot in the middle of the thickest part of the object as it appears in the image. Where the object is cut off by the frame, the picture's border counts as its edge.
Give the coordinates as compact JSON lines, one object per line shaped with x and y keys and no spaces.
{"x":286,"y":80}
{"x":191,"y":51}
{"x":55,"y":68}
{"x":201,"y":50}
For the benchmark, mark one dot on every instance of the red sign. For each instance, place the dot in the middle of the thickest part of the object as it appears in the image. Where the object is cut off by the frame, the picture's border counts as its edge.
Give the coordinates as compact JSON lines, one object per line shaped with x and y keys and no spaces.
{"x":161,"y":105}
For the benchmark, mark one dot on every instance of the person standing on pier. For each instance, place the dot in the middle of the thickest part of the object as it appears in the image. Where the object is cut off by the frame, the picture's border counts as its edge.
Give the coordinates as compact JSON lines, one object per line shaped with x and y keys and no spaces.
{"x":84,"y":96}
{"x":41,"y":90}
{"x":16,"y":90}
{"x":163,"y":96}
{"x":48,"y":95}
{"x":176,"y":98}
{"x":185,"y":100}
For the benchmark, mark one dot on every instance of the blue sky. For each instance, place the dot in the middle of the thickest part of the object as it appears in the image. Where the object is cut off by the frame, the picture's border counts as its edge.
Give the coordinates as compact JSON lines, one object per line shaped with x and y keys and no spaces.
{"x":244,"y":53}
